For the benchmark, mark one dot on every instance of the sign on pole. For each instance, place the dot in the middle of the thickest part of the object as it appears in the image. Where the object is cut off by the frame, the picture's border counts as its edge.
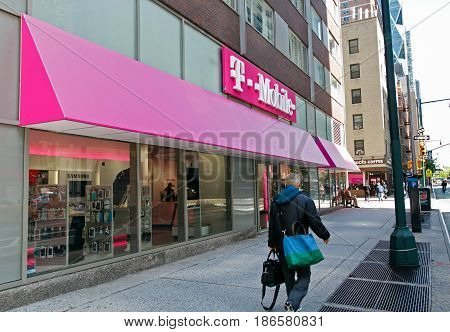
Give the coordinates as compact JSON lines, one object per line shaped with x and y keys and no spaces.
{"x":429,"y":173}
{"x":421,"y":137}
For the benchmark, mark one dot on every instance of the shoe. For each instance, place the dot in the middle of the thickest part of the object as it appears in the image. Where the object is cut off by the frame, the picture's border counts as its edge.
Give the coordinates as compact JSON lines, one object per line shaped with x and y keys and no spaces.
{"x":288,"y":307}
{"x":299,"y":309}
{"x":357,"y":207}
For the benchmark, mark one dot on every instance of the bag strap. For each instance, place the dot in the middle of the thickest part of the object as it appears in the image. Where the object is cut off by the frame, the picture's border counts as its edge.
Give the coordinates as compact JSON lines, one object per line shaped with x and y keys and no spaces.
{"x":277,"y":289}
{"x":300,"y":219}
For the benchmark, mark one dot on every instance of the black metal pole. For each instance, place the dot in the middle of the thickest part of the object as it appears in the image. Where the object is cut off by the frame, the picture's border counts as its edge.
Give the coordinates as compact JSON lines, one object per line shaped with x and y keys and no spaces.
{"x":403,"y":250}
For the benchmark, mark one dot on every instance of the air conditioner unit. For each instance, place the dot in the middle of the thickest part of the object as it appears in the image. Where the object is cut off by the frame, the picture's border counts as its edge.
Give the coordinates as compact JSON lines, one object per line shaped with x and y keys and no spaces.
{"x":358,"y":127}
{"x":359,"y":152}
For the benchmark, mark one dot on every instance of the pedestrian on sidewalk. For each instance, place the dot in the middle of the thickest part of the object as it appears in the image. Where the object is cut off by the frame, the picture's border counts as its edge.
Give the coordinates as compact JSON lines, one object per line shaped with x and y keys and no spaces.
{"x":288,"y":208}
{"x":385,"y":192}
{"x":367,"y":192}
{"x":380,"y":191}
{"x":444,"y":186}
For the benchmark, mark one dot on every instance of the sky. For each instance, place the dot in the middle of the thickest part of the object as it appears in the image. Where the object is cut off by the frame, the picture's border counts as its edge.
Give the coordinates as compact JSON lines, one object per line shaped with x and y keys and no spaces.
{"x":431,"y":61}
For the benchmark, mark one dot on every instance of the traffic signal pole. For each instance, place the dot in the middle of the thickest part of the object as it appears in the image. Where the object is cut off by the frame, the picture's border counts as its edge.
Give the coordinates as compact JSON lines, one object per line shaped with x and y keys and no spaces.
{"x":403,"y":249}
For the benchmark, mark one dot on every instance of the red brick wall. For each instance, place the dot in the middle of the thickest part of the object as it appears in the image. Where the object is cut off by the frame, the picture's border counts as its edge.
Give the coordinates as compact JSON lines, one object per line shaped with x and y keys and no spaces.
{"x":323,"y":99}
{"x":263,"y":54}
{"x":320,"y":51}
{"x":213,"y":16}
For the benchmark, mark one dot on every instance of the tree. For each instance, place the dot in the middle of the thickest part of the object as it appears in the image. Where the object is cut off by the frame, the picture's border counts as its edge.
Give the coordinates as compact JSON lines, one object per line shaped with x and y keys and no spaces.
{"x":444,"y":173}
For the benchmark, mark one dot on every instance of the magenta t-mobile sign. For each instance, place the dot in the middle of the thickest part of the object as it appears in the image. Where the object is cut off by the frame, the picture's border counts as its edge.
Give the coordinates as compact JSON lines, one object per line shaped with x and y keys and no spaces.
{"x":243,"y":80}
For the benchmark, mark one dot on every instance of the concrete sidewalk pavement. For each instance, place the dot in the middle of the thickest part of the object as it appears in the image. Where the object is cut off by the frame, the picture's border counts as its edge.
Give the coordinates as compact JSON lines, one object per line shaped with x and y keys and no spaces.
{"x":228,"y":278}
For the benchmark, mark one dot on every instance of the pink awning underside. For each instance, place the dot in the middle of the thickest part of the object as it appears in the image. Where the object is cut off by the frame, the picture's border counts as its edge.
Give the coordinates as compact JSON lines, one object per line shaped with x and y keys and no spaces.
{"x":337,"y":156}
{"x":66,"y":79}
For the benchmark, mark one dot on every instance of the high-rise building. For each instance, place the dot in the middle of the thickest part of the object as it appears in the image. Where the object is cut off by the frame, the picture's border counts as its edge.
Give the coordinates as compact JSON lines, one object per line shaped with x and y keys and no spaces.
{"x":137,"y":128}
{"x":367,"y":129}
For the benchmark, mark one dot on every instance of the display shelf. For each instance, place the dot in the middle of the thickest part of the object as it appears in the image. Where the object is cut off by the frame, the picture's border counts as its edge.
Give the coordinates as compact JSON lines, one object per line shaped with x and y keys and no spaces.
{"x":99,"y":227}
{"x":47,"y":228}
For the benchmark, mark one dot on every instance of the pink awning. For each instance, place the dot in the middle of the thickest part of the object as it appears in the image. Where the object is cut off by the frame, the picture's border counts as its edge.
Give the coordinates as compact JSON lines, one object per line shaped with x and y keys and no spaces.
{"x":71,"y":85}
{"x":337,"y":155}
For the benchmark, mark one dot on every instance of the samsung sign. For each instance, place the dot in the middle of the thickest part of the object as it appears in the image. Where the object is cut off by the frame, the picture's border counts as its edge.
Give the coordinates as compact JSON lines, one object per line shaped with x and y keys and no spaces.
{"x":245,"y":81}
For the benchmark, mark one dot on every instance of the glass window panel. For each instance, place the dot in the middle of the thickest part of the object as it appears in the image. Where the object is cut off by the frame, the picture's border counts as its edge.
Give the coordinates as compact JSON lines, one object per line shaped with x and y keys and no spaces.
{"x":9,"y":66}
{"x":356,"y":96}
{"x":336,"y":89}
{"x":314,"y":186}
{"x":14,"y":6}
{"x":260,"y":16}
{"x":300,"y":5}
{"x":353,"y":46}
{"x":300,"y":107}
{"x":111,"y":23}
{"x":202,"y":60}
{"x":82,"y":200}
{"x":243,"y":179}
{"x":160,"y":38}
{"x":329,"y":129}
{"x":11,"y":193}
{"x":214,"y":209}
{"x":324,"y":189}
{"x":319,"y":74}
{"x":316,"y":23}
{"x":298,"y":52}
{"x":311,"y":119}
{"x":358,"y":121}
{"x":355,"y":71}
{"x":359,"y":147}
{"x":159,"y":196}
{"x":321,"y":124}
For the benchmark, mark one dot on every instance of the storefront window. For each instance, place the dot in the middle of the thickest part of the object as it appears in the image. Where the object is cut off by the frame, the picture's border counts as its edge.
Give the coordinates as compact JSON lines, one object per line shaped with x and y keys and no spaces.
{"x":159,"y":199}
{"x":267,"y":189}
{"x":314,"y":186}
{"x":208,"y":194}
{"x":82,"y":200}
{"x":243,"y":187}
{"x":324,"y":189}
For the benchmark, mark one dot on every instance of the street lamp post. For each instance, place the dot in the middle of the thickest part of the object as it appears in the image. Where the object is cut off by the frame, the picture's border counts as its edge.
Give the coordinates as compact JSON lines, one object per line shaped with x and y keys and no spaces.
{"x":403,"y":249}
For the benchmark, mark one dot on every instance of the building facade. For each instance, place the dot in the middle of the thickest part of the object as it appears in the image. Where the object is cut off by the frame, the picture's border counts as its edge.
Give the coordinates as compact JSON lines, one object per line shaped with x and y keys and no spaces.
{"x":132,"y":127}
{"x":367,"y":130}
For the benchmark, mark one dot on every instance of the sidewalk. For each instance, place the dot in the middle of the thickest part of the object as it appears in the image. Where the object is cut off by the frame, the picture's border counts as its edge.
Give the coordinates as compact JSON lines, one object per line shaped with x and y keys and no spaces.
{"x":228,"y":279}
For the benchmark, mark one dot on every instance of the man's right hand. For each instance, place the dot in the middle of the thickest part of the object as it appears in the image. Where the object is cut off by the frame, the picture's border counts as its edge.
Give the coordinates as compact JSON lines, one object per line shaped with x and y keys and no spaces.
{"x":326,"y":241}
{"x":273,"y":248}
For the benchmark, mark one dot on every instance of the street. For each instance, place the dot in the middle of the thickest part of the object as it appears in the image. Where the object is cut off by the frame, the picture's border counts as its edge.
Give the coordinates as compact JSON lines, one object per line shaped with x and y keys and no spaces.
{"x":228,"y":279}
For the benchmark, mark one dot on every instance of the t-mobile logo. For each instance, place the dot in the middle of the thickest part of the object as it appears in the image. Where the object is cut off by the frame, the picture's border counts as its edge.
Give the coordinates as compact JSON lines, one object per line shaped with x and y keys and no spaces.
{"x":237,"y":72}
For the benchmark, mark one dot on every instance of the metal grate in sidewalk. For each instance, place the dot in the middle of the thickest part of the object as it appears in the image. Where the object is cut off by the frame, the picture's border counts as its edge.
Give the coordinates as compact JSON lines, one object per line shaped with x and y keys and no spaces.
{"x":330,"y":308}
{"x":376,"y":286}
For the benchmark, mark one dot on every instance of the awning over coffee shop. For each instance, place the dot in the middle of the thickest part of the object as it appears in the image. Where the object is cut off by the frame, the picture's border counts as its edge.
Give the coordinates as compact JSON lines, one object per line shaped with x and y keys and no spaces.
{"x":336,"y":155}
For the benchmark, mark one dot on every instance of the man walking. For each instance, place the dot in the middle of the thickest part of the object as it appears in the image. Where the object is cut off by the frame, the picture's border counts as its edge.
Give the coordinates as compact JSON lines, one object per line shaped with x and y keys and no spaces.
{"x":288,"y":208}
{"x":444,"y":186}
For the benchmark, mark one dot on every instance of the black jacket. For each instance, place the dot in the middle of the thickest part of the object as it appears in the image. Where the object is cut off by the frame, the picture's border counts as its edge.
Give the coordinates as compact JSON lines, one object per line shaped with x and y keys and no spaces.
{"x":286,"y":209}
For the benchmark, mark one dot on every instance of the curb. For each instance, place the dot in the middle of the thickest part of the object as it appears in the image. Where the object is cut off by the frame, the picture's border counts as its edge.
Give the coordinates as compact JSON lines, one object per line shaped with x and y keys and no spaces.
{"x":445,"y":231}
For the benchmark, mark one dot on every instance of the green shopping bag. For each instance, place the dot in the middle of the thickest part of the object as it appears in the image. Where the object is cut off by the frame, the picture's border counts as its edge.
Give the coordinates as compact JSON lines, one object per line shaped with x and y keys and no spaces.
{"x":301,"y":251}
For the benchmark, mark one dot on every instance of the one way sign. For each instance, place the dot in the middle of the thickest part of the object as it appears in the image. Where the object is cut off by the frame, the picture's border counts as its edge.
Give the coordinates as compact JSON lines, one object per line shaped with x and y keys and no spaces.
{"x":421,"y":137}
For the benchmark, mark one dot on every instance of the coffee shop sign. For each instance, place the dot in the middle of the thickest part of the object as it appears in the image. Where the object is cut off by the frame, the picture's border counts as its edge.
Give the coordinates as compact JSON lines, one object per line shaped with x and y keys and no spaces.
{"x":245,"y":81}
{"x":369,"y":162}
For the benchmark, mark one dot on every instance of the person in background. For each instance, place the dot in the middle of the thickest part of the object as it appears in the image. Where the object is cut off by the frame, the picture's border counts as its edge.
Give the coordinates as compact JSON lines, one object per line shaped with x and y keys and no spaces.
{"x":444,"y":186}
{"x":385,"y":192}
{"x":349,"y":197}
{"x":380,"y":190}
{"x":366,"y":189}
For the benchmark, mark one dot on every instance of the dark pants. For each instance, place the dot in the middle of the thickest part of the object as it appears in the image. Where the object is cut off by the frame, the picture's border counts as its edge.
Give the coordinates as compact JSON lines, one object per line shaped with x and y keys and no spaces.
{"x":367,"y":196}
{"x":296,"y":288}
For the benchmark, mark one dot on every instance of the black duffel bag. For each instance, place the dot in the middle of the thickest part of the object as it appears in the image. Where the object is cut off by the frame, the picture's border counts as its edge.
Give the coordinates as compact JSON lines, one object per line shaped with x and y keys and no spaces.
{"x":272,"y":276}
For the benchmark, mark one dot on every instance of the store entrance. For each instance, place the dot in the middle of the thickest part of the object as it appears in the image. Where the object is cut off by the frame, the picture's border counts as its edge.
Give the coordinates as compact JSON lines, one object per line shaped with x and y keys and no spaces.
{"x":269,"y":184}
